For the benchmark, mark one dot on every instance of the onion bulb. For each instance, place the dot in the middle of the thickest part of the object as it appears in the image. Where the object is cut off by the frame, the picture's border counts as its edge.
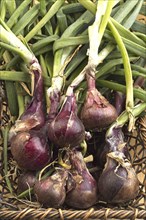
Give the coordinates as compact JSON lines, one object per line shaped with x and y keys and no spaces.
{"x":84,"y":194}
{"x":30,"y":150}
{"x":51,"y":191}
{"x":67,"y":130}
{"x":118,"y":182}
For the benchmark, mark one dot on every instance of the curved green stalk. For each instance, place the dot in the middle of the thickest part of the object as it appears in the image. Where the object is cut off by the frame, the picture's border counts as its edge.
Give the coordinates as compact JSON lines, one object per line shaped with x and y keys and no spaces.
{"x":128,"y":74}
{"x":110,"y":64}
{"x":138,"y":93}
{"x":123,"y":118}
{"x":11,"y":90}
{"x":52,"y":11}
{"x":20,"y":77}
{"x":11,"y":6}
{"x":96,"y":30}
{"x":125,"y":10}
{"x":3,"y":10}
{"x":13,"y":19}
{"x":43,"y":42}
{"x":25,"y":193}
{"x":61,"y":55}
{"x":5,"y":156}
{"x":127,"y":33}
{"x":120,"y":72}
{"x":89,"y":5}
{"x":9,"y":40}
{"x":25,"y":19}
{"x":43,"y":9}
{"x":20,"y":99}
{"x":70,"y":41}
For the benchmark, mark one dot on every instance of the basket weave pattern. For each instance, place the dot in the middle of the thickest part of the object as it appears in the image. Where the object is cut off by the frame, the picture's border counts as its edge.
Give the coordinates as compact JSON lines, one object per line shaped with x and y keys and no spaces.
{"x":18,"y":209}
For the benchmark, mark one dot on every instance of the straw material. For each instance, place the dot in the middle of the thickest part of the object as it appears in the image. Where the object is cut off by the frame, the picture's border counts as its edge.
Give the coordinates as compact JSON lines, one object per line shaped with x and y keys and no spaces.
{"x":19,"y":209}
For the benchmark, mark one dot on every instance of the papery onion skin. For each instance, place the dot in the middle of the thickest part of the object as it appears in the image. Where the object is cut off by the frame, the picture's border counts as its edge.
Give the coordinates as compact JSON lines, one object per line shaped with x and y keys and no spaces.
{"x":112,"y":143}
{"x":51,"y":191}
{"x":97,"y":113}
{"x":84,"y":194}
{"x":30,"y":150}
{"x":67,"y":130}
{"x":118,"y":183}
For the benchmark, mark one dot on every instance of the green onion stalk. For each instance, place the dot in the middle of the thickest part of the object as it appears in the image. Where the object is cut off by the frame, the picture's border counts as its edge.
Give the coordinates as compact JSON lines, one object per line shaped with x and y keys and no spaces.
{"x":5,"y":132}
{"x":11,"y":91}
{"x":128,"y":75}
{"x":123,"y":118}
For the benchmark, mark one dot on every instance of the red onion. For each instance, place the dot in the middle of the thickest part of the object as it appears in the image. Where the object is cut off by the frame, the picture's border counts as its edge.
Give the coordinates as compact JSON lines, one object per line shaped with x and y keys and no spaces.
{"x":84,"y":194}
{"x":51,"y":191}
{"x":30,"y":149}
{"x":97,"y":112}
{"x":67,"y":129}
{"x":118,"y":182}
{"x":26,"y":181}
{"x":28,"y":139}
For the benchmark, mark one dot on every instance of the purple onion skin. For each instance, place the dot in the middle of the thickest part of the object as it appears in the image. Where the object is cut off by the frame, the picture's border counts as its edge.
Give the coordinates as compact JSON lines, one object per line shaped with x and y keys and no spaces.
{"x":34,"y":115}
{"x":54,"y":105}
{"x":51,"y":192}
{"x":28,"y":139}
{"x":84,"y":194}
{"x":96,"y":148}
{"x":30,"y":150}
{"x":116,"y":142}
{"x":119,"y":102}
{"x":97,"y":113}
{"x":117,"y":183}
{"x":67,"y":130}
{"x":26,"y":181}
{"x":112,"y":143}
{"x":35,"y":110}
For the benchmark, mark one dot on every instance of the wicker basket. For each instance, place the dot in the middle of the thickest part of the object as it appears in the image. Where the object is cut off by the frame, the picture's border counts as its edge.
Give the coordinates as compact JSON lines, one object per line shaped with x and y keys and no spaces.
{"x":13,"y":208}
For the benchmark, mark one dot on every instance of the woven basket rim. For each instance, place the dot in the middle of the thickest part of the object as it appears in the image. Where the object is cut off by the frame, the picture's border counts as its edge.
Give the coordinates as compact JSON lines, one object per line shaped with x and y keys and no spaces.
{"x":51,"y":213}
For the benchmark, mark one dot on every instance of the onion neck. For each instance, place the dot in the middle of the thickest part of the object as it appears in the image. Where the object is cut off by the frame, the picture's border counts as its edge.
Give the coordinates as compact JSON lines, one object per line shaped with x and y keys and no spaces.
{"x":38,"y":81}
{"x":77,"y":161}
{"x":69,"y":101}
{"x":115,"y":141}
{"x":90,"y":76}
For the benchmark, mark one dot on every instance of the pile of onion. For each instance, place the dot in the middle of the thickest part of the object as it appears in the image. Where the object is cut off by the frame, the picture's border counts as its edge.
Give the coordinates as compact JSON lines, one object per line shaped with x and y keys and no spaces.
{"x":34,"y":132}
